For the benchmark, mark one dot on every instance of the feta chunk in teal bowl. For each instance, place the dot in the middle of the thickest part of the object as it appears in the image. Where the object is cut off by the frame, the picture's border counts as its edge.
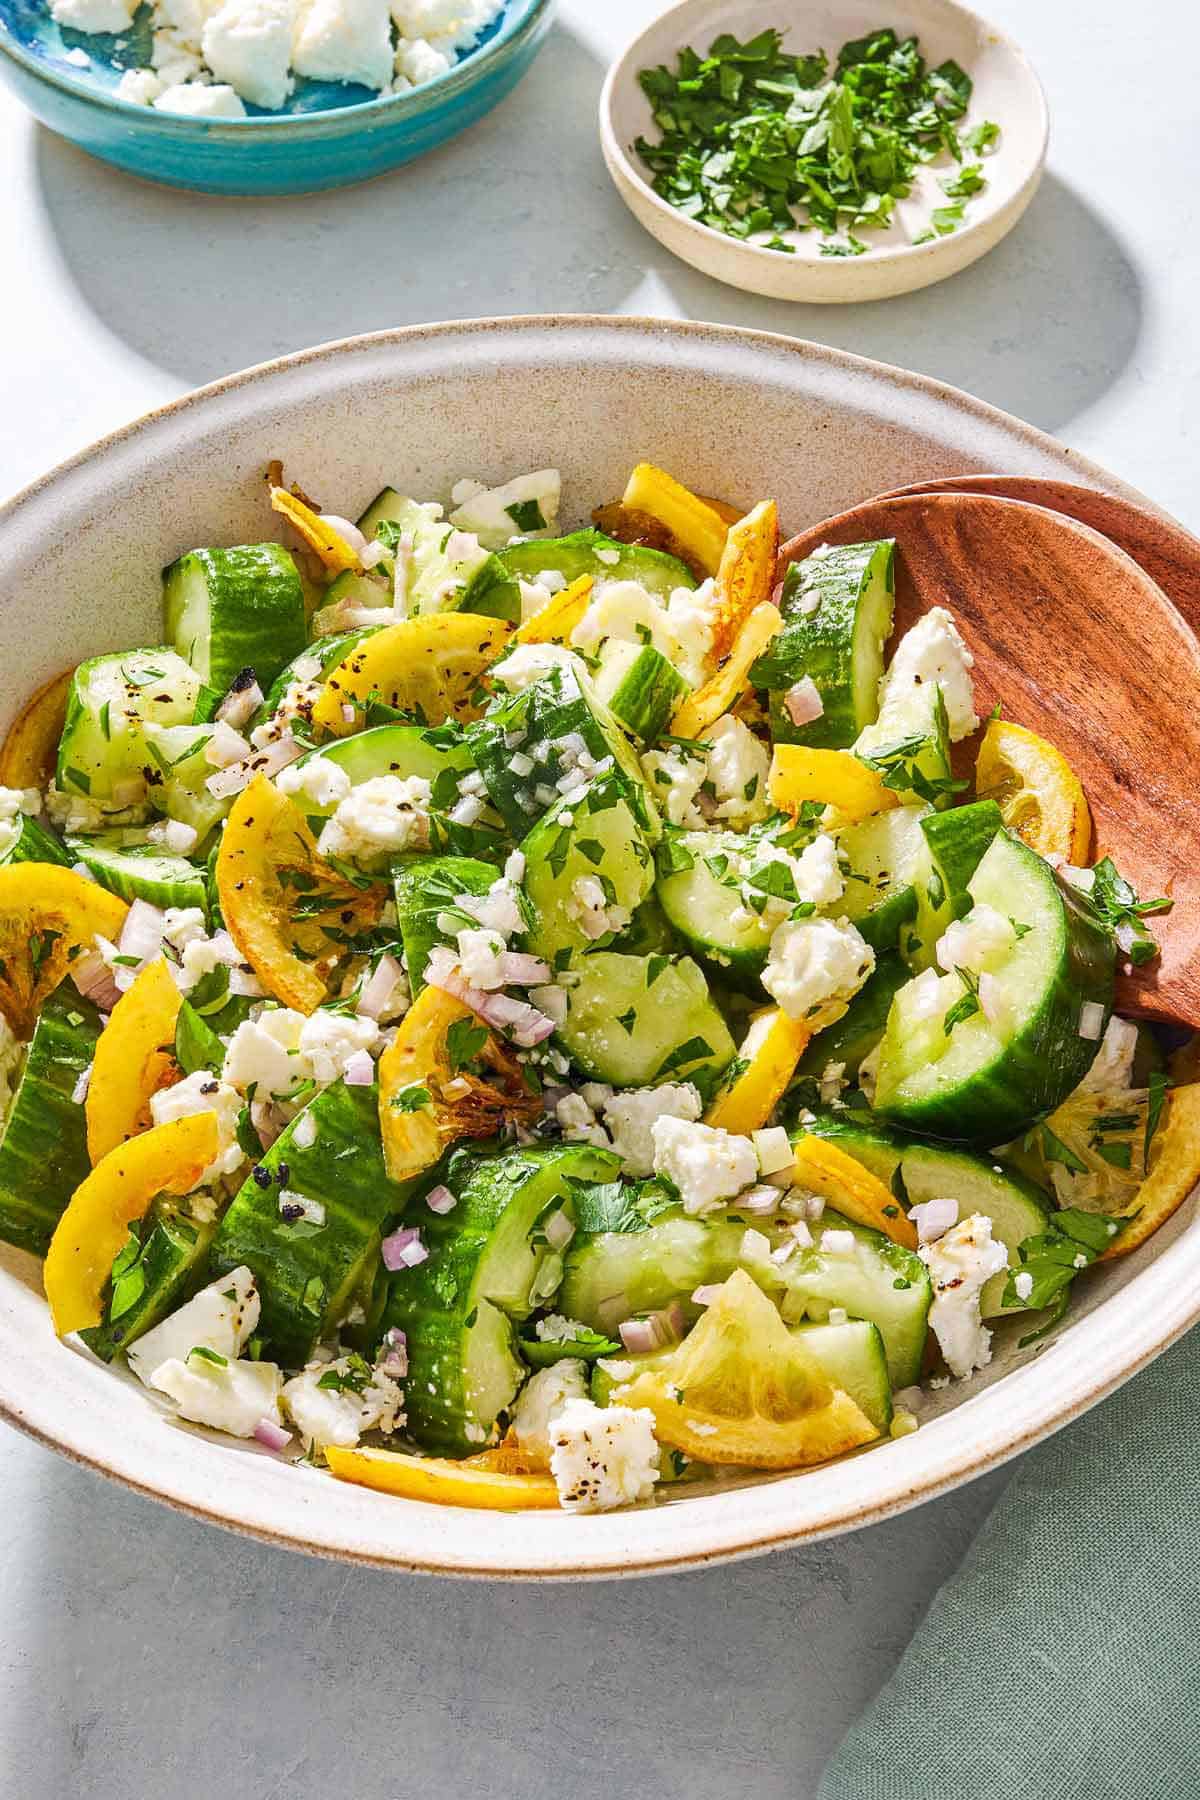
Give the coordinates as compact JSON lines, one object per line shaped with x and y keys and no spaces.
{"x":265,"y":96}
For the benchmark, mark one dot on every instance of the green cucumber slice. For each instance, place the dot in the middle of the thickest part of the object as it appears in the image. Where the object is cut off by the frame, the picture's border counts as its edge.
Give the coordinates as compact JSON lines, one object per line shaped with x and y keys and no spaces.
{"x":426,"y":888}
{"x":438,"y":582}
{"x":649,"y":930}
{"x":30,"y":842}
{"x":853,"y":1037}
{"x":640,"y":686}
{"x":1016,"y":1206}
{"x":983,"y":1082}
{"x":401,"y":750}
{"x":855,"y":1359}
{"x":181,"y":771}
{"x":837,"y":607}
{"x":956,"y":841}
{"x":702,"y":907}
{"x":637,"y":1020}
{"x":888,"y":867}
{"x":229,"y":610}
{"x":489,"y":1265}
{"x":598,"y":839}
{"x":125,"y":864}
{"x":579,"y":553}
{"x":616,"y":1275}
{"x":43,"y":1146}
{"x":529,"y":742}
{"x":111,"y":701}
{"x":307,"y":1272}
{"x":174,"y":1249}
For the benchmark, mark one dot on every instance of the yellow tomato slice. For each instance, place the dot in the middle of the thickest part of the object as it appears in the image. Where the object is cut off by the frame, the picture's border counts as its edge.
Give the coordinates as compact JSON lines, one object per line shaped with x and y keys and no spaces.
{"x":28,"y":755}
{"x":440,"y":1482}
{"x":428,"y":666}
{"x":267,"y":862}
{"x":328,"y":544}
{"x":48,"y":915}
{"x":1035,"y":787}
{"x":749,"y":1103}
{"x":557,"y":620}
{"x":742,"y":1390}
{"x":135,"y":1057}
{"x":834,"y":777}
{"x":1174,"y":1170}
{"x":456,"y":1104}
{"x":825,"y":1169}
{"x":696,"y":526}
{"x":168,"y":1159}
{"x":726,"y":687}
{"x":747,"y":573}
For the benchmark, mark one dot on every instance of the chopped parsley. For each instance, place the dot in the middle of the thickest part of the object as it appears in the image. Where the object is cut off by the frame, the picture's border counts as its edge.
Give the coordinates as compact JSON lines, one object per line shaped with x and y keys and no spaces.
{"x":1117,"y":902}
{"x":756,"y":141}
{"x":526,"y":515}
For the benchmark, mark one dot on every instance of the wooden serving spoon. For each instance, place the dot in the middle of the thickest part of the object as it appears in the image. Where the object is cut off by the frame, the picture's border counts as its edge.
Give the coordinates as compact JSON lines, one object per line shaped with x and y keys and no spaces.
{"x":1078,"y":644}
{"x":1169,"y":554}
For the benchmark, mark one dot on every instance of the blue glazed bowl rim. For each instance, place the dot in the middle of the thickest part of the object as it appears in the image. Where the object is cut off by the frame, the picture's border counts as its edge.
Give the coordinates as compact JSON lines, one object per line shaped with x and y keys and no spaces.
{"x":521,"y":19}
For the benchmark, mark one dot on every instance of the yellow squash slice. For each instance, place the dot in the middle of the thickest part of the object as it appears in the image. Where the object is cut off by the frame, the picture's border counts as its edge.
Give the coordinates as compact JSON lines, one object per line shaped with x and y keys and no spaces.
{"x":48,"y":915}
{"x":834,"y":777}
{"x":424,"y":1105}
{"x":429,"y":666}
{"x":168,"y":1159}
{"x":328,"y":544}
{"x":697,"y":527}
{"x":749,"y":1103}
{"x":1174,"y":1170}
{"x":722,"y":690}
{"x":557,"y":620}
{"x":747,"y":573}
{"x":441,"y":1482}
{"x":740,"y":1389}
{"x":28,"y":755}
{"x":266,"y":869}
{"x":1036,"y":789}
{"x":825,"y":1169}
{"x":135,"y":1057}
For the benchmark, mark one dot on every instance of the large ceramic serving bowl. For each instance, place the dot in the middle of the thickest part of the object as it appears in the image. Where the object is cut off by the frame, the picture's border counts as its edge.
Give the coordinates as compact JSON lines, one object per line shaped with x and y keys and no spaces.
{"x":733,"y":413}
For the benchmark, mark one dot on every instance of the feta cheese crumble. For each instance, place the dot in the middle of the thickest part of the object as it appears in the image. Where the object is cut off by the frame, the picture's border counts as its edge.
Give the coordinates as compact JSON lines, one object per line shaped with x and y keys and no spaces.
{"x":222,"y":1317}
{"x":334,"y":1402}
{"x":708,"y":1165}
{"x":815,"y":967}
{"x":385,"y":815}
{"x":200,"y":1093}
{"x":601,"y":1457}
{"x":932,"y":651}
{"x":541,"y":1401}
{"x":960,"y":1262}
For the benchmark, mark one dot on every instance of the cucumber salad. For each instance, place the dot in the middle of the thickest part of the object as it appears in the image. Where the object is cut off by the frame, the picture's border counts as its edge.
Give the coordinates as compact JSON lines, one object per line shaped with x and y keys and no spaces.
{"x":522,"y":1017}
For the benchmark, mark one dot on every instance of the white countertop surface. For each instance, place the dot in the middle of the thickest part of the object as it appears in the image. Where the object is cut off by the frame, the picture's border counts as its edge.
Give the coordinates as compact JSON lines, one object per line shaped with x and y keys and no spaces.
{"x":145,"y":1656}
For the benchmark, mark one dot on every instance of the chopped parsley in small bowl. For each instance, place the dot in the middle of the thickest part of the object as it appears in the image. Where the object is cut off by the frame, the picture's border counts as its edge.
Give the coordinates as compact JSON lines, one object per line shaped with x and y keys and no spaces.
{"x":842,"y":157}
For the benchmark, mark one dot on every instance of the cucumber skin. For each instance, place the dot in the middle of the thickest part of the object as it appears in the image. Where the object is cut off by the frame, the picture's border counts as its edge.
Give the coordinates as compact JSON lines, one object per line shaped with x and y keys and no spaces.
{"x":572,"y":556}
{"x":646,"y":696}
{"x":434,"y":1303}
{"x":417,"y":911}
{"x":189,"y":890}
{"x":306,"y":1273}
{"x":43,"y":1148}
{"x":175,"y":1251}
{"x":34,"y":843}
{"x":258,"y":585}
{"x":1044,"y":1063}
{"x":823,"y":644}
{"x":958,"y":840}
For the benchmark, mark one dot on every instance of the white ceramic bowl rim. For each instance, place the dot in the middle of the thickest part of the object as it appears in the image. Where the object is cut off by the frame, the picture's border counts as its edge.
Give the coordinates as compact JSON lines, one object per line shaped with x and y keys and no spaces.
{"x":519,"y":16}
{"x":283,"y":1505}
{"x":623,"y":67}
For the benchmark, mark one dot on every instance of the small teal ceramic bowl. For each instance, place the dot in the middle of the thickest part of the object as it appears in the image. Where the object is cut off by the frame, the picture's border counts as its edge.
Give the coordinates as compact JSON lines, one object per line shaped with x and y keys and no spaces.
{"x":328,"y":136}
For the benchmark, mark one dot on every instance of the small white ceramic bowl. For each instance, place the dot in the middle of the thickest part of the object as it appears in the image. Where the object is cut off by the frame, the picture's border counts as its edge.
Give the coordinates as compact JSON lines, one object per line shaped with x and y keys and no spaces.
{"x":734,"y":413}
{"x":1006,"y":90}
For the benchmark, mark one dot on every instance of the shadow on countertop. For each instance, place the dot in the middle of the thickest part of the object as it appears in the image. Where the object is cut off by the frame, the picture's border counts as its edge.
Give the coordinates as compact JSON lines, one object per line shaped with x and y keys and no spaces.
{"x":519,"y":216}
{"x":145,"y":1654}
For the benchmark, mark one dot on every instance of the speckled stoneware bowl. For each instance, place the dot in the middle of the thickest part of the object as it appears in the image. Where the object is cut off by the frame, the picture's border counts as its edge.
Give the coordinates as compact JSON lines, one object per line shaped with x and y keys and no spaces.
{"x":1006,"y":90}
{"x":327,"y":136}
{"x":733,"y":413}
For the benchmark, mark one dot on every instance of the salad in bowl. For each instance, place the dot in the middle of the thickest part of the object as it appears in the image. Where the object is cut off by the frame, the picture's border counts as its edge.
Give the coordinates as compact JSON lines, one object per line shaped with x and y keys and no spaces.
{"x":527,"y":1018}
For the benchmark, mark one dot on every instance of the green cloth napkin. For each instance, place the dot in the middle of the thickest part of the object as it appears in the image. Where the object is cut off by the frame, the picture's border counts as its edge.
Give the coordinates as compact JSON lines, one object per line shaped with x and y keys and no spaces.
{"x":1062,"y":1661}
